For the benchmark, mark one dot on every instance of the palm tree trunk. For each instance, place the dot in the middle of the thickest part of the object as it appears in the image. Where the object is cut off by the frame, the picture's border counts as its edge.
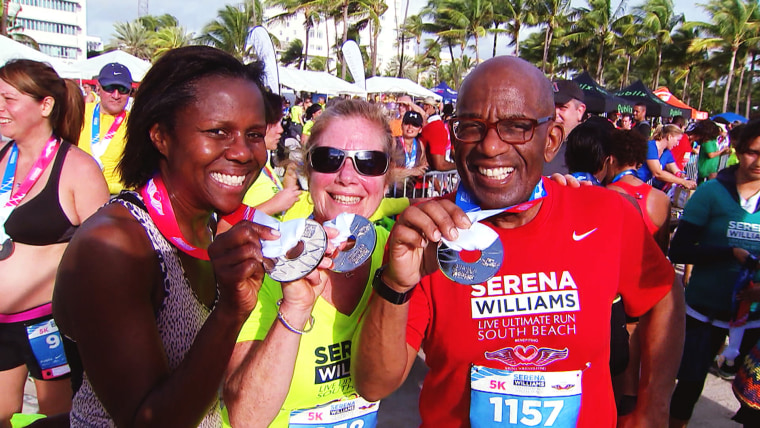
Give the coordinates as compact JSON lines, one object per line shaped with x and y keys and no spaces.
{"x":685,"y":94}
{"x":730,"y":76}
{"x":516,"y":35}
{"x":327,"y":45}
{"x":307,"y":25}
{"x":495,"y":36}
{"x":624,"y":82}
{"x":4,"y":18}
{"x":547,"y":41}
{"x":403,"y":37}
{"x":749,"y":85}
{"x":701,"y":93}
{"x":656,"y":81}
{"x":739,"y":89}
{"x":345,"y":38}
{"x":599,"y":65}
{"x":477,"y":50}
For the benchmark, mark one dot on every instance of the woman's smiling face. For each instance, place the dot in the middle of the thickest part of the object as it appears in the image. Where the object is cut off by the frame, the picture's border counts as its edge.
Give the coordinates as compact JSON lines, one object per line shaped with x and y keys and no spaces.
{"x":346,"y":190}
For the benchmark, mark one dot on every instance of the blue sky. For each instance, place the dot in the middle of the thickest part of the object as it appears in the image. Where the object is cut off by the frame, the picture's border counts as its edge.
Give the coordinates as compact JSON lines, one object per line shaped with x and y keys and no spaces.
{"x":194,"y":14}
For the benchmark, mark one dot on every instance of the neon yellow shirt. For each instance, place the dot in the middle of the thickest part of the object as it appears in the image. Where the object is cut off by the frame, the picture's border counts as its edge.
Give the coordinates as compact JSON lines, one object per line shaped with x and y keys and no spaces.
{"x":304,"y":206}
{"x":321,"y":372}
{"x":112,"y":155}
{"x":264,"y":188}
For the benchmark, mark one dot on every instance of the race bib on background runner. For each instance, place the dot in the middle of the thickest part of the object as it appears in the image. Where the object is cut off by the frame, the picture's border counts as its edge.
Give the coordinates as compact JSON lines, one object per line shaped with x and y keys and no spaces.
{"x":501,"y":398}
{"x":47,"y":347}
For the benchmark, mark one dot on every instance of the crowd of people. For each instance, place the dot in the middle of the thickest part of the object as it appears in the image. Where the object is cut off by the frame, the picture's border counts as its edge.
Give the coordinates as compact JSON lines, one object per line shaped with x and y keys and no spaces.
{"x":138,"y":237}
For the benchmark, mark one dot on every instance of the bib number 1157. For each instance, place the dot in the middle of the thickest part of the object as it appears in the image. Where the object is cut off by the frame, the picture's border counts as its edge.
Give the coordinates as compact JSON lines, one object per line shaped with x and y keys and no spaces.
{"x":530,"y":411}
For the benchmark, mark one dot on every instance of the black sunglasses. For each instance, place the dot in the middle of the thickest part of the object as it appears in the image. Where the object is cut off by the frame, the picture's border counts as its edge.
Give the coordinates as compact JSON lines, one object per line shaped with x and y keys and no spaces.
{"x":110,"y":88}
{"x":366,"y":162}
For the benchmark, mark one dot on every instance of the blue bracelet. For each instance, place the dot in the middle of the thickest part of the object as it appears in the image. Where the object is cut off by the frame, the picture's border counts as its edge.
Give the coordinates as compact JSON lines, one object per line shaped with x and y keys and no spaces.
{"x":290,"y":327}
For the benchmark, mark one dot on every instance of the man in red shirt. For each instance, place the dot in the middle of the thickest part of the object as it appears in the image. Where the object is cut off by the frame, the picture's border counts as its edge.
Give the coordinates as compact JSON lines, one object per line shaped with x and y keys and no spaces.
{"x":435,"y":137}
{"x":530,"y":345}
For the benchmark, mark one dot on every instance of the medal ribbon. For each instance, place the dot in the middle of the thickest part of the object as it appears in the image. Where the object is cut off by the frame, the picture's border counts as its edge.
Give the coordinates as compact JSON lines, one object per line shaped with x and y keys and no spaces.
{"x":9,"y":199}
{"x":160,"y":210}
{"x":585,"y":176}
{"x":411,"y":155}
{"x":290,"y":231}
{"x":270,"y":173}
{"x":623,"y":174}
{"x":98,"y":146}
{"x":480,"y":236}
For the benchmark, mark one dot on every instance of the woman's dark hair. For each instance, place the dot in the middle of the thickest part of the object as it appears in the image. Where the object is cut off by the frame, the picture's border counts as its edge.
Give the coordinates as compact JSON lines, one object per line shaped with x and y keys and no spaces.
{"x":748,"y":133}
{"x":628,"y":147}
{"x":311,"y":110}
{"x":169,"y":86}
{"x":38,"y":80}
{"x":587,"y":145}
{"x":272,"y":107}
{"x":703,"y":131}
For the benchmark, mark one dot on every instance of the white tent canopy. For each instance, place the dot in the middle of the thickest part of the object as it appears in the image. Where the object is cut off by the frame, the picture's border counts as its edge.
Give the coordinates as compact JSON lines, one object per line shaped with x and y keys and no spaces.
{"x":390,"y":85}
{"x":10,"y":49}
{"x":317,"y":81}
{"x":90,"y":68}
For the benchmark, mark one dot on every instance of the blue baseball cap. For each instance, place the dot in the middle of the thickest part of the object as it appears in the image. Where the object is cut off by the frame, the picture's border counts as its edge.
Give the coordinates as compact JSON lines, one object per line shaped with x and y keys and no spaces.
{"x":115,"y":74}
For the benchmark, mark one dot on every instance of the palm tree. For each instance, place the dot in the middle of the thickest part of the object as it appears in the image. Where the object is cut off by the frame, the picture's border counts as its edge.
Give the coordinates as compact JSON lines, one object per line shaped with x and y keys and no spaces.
{"x":293,"y":54}
{"x":519,"y":13}
{"x":372,"y":11}
{"x":681,"y":59}
{"x":168,"y":38}
{"x":551,"y":13}
{"x":229,"y":31}
{"x":470,"y":18}
{"x":131,"y":37}
{"x":291,"y":8}
{"x":627,"y":42}
{"x":596,"y":27}
{"x":658,"y":20}
{"x":734,"y":24}
{"x":155,"y":23}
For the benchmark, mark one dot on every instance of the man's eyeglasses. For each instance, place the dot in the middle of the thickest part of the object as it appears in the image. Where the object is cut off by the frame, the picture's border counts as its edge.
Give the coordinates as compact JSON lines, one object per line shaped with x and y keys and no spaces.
{"x":367,"y":162}
{"x":110,"y":88}
{"x":512,"y":131}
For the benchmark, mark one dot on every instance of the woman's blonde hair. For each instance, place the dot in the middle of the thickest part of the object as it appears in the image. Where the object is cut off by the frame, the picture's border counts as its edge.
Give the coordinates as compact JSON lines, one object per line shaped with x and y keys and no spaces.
{"x":372,"y":113}
{"x":664,"y":131}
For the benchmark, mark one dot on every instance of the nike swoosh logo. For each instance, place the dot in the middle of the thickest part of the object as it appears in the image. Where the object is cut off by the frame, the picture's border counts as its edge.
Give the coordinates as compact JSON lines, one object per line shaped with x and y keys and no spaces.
{"x":577,"y":237}
{"x":116,"y":74}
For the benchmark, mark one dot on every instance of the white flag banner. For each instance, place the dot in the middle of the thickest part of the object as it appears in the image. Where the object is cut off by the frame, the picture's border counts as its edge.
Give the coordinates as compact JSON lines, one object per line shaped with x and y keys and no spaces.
{"x":353,"y":57}
{"x":260,"y":42}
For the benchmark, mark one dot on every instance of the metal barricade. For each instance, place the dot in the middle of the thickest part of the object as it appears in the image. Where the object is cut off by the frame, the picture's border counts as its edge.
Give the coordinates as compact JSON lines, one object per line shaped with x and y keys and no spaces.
{"x":431,"y":184}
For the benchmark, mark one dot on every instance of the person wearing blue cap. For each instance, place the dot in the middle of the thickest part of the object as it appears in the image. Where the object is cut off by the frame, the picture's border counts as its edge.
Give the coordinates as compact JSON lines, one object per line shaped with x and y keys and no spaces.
{"x":104,"y":133}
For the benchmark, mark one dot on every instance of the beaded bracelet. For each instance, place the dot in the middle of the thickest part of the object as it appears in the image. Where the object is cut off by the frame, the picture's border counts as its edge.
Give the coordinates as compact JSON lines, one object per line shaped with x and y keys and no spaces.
{"x":290,"y":327}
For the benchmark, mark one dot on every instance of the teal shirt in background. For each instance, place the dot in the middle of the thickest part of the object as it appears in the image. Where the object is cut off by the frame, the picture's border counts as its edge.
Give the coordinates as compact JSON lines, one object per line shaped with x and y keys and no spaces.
{"x":724,"y":224}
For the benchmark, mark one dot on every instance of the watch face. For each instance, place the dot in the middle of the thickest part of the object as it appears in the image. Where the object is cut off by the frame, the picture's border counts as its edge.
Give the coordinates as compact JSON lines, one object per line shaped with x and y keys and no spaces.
{"x":469,"y":273}
{"x":314,"y":241}
{"x":364,"y":233}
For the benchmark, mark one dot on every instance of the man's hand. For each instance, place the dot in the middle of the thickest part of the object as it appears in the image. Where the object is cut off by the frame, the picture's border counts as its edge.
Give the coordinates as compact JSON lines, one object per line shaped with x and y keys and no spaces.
{"x":410,"y":255}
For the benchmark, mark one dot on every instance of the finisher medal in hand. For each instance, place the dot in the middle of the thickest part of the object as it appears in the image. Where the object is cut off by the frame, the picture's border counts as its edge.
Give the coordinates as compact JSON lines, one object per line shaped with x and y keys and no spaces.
{"x":364,"y":233}
{"x":314,"y":241}
{"x":468,"y":273}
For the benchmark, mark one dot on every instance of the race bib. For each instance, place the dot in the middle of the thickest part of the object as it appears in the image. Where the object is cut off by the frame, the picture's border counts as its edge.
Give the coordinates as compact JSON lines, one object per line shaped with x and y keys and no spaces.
{"x":347,"y":413}
{"x":502,"y":398}
{"x":47,"y":347}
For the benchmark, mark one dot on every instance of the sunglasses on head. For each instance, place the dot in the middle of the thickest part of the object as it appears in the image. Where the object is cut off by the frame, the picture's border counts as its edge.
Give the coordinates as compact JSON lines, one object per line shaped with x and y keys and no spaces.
{"x":110,"y":88}
{"x":366,"y":162}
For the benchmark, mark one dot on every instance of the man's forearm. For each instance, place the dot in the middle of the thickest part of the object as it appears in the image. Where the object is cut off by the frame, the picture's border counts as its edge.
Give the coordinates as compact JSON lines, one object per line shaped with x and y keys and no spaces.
{"x":380,"y":356}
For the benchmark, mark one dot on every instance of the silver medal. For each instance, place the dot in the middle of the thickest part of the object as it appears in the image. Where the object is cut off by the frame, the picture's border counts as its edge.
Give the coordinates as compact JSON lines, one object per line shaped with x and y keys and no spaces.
{"x":314,"y":241}
{"x":364,"y":233}
{"x":477,"y":272}
{"x":6,"y":250}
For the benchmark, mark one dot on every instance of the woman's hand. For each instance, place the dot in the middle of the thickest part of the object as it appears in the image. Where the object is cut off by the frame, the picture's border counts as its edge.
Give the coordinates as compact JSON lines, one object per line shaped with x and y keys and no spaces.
{"x":238,"y":264}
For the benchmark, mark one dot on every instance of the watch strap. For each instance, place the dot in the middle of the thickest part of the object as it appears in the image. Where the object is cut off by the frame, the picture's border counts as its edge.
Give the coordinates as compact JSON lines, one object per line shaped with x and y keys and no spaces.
{"x":387,"y":293}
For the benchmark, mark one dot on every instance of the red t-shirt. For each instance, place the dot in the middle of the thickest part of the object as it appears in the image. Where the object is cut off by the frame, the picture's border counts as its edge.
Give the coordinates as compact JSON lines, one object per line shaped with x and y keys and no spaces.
{"x":680,"y":150}
{"x":436,"y":138}
{"x":583,"y":248}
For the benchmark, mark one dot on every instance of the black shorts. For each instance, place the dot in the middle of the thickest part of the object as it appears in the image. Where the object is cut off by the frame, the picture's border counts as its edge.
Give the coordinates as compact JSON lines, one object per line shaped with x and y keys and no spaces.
{"x":16,"y":351}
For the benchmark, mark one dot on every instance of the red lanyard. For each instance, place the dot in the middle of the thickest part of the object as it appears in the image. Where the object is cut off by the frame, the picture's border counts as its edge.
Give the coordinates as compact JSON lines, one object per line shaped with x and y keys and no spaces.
{"x":160,"y":209}
{"x":42,"y":162}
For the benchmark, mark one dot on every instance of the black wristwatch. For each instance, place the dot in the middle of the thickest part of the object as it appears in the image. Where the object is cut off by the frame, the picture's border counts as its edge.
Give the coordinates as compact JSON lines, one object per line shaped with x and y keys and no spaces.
{"x":387,"y":293}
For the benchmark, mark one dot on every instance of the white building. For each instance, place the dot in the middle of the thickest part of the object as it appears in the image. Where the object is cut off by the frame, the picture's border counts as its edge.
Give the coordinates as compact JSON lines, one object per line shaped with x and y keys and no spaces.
{"x":58,"y":26}
{"x":323,"y":36}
